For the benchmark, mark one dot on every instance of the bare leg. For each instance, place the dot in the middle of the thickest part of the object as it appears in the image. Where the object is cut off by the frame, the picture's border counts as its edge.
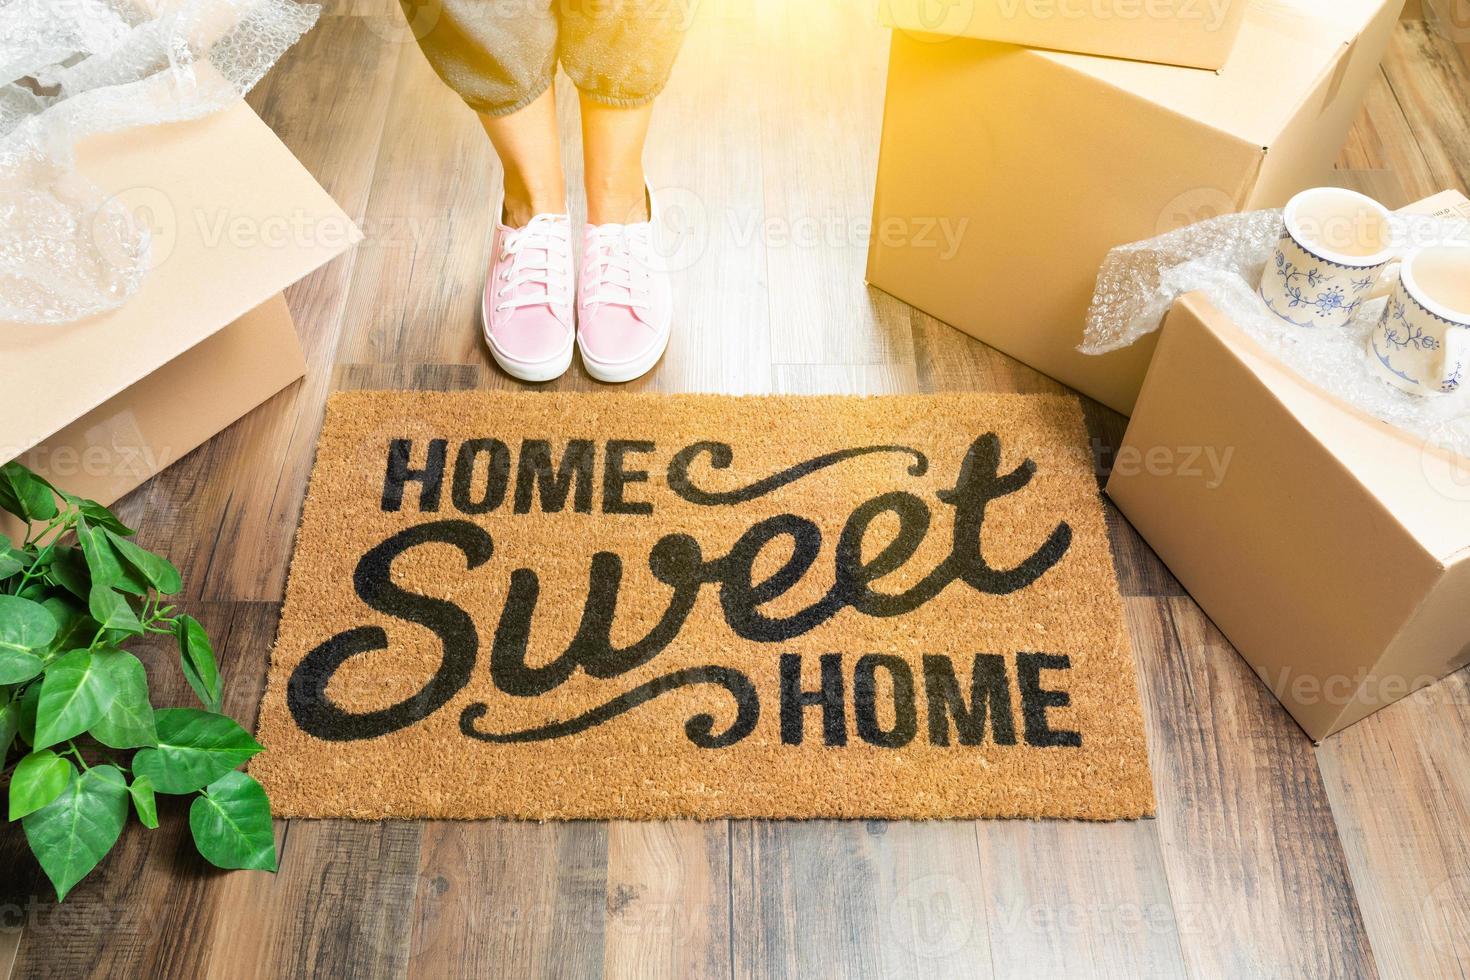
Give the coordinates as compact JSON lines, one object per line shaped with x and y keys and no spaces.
{"x":612,"y":147}
{"x":530,"y":151}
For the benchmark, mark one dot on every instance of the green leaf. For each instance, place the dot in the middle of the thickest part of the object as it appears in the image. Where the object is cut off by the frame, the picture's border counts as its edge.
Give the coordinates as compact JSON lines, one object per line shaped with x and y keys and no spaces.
{"x":112,"y":611}
{"x":159,"y":572}
{"x":72,"y":834}
{"x":13,"y":561}
{"x":69,"y":570}
{"x":27,"y":705}
{"x":17,"y":667}
{"x":231,"y":823}
{"x":38,"y":779}
{"x":75,"y":694}
{"x":97,"y":515}
{"x":32,"y":494}
{"x":196,"y":657}
{"x":74,"y":628}
{"x":35,"y":590}
{"x":9,"y":728}
{"x":26,"y":628}
{"x":8,"y":501}
{"x":128,"y":721}
{"x":144,"y":801}
{"x":106,"y":566}
{"x":194,"y":749}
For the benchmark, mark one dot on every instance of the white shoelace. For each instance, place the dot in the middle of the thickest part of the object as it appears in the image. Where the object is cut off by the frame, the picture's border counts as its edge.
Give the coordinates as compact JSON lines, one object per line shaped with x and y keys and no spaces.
{"x":619,"y":266}
{"x":549,"y":235}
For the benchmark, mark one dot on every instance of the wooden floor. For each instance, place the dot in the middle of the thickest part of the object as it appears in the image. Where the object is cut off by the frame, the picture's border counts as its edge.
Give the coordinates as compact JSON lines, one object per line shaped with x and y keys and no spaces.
{"x":1268,"y":857}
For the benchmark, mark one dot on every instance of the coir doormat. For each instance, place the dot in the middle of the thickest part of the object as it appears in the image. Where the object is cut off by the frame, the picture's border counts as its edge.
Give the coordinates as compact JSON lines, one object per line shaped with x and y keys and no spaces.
{"x":639,"y":607}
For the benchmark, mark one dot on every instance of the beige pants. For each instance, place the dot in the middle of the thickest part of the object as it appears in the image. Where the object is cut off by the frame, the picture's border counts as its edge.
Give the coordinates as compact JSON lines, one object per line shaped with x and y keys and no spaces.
{"x":501,"y":55}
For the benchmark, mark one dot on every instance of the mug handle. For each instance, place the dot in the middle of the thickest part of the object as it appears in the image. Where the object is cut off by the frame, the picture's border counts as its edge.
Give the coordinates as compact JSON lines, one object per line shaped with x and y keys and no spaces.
{"x":1388,"y":277}
{"x":1456,"y":358}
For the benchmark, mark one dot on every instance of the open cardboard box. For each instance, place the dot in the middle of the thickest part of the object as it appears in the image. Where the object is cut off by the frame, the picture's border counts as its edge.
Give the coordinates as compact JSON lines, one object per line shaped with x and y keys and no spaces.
{"x":1332,"y":549}
{"x":1006,"y":174}
{"x":1190,"y":33}
{"x":100,"y":405}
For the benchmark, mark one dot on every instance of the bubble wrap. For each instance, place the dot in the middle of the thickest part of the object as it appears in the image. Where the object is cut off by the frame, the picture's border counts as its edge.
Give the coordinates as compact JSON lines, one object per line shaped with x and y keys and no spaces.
{"x":74,"y":68}
{"x":1224,"y":258}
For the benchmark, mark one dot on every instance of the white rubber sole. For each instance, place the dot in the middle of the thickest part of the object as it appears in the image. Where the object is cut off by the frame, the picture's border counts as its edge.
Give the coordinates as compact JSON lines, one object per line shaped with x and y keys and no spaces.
{"x":534,"y":372}
{"x":624,"y":371}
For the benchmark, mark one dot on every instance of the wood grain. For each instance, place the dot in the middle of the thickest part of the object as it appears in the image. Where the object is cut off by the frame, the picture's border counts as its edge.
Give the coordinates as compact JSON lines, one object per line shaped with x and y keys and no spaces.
{"x":1267,"y":858}
{"x":1248,"y":837}
{"x":1400,"y":794}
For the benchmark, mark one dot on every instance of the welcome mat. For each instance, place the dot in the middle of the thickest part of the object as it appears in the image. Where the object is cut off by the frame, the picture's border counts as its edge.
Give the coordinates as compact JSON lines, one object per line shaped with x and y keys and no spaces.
{"x":650,"y":606}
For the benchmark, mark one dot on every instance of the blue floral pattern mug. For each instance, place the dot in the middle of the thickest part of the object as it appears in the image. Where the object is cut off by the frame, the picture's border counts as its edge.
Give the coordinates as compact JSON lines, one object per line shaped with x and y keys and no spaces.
{"x":1422,"y":343}
{"x":1330,"y":258}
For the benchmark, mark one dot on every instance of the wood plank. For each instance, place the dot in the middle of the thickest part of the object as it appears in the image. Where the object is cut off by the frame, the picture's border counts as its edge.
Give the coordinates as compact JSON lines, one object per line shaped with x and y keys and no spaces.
{"x":844,"y":379}
{"x":821,"y":119}
{"x":711,"y":192}
{"x":1257,"y":873}
{"x":1384,"y":140}
{"x":1081,"y":900}
{"x":843,"y":899}
{"x":509,"y":899}
{"x":947,"y":360}
{"x":340,"y":906}
{"x":416,"y":284}
{"x":1429,"y":80}
{"x":1400,"y":792}
{"x":667,"y":901}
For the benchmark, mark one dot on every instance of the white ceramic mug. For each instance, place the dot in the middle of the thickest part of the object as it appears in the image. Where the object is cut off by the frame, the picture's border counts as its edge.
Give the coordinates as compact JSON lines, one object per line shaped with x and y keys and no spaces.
{"x":1329,"y":259}
{"x":1422,"y":343}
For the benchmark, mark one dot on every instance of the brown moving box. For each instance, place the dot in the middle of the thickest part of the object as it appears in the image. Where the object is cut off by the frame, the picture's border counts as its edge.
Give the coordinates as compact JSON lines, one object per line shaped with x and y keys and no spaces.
{"x":1006,"y":174}
{"x":100,"y":405}
{"x":1193,"y":33}
{"x":1332,"y":550}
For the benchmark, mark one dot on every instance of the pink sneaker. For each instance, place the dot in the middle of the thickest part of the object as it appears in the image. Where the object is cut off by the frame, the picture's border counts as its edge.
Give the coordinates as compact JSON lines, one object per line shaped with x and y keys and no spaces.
{"x":526,"y":308}
{"x":625,"y":306}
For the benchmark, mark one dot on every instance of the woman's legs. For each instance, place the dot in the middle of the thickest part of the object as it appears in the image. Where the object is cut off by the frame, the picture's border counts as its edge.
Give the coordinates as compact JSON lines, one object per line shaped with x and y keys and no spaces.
{"x":530,"y":152}
{"x":612,"y":150}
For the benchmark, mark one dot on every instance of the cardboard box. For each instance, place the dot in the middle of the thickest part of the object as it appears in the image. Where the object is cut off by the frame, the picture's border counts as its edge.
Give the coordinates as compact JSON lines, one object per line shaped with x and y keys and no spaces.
{"x":1332,"y":550}
{"x":1191,"y":33}
{"x":100,"y":405}
{"x":1006,"y":174}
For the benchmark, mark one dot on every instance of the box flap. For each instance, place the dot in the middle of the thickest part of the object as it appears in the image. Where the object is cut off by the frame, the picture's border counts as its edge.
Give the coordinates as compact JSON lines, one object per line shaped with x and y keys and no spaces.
{"x":1425,"y":488}
{"x":236,"y":219}
{"x":1283,"y":46}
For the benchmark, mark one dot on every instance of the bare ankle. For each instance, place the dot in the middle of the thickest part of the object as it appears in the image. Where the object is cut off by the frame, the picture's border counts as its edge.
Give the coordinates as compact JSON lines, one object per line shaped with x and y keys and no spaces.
{"x":522,"y":204}
{"x":621,"y":205}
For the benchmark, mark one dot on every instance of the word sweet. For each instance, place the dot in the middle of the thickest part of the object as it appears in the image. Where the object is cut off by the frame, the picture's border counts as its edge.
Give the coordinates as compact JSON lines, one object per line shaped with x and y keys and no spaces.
{"x":678,"y":561}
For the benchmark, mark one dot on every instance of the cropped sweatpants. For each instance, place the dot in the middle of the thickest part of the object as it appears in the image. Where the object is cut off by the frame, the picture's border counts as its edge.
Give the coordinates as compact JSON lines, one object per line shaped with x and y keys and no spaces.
{"x":501,"y":55}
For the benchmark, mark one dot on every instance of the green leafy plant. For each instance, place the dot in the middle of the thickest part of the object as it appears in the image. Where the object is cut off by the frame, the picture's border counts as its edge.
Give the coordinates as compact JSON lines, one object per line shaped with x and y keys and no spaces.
{"x":81,"y":743}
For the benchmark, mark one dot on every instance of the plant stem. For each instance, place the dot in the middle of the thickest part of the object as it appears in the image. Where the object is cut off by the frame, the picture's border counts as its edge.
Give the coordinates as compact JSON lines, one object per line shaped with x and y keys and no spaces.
{"x":76,"y":754}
